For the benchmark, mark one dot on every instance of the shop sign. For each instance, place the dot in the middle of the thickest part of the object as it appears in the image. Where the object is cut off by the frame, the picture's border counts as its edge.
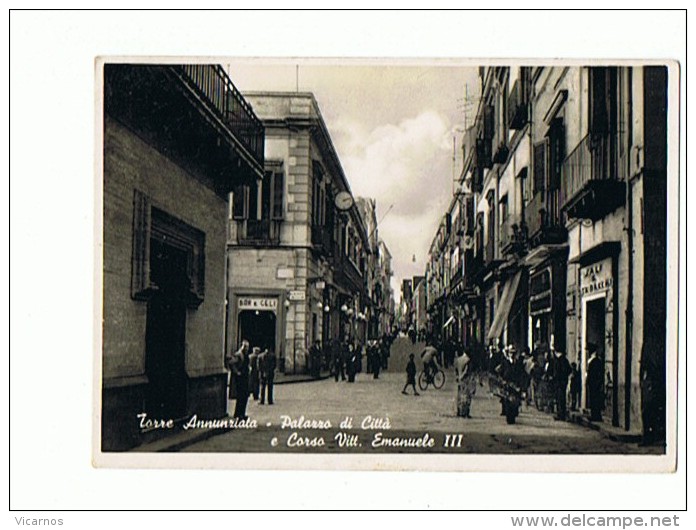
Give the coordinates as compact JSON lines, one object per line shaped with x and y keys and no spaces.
{"x":266,"y":304}
{"x":596,"y":277}
{"x":297,"y":296}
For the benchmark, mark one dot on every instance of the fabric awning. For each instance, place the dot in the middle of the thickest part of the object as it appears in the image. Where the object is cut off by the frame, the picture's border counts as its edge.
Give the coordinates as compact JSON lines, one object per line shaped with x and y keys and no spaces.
{"x":449,"y":321}
{"x":503,"y":310}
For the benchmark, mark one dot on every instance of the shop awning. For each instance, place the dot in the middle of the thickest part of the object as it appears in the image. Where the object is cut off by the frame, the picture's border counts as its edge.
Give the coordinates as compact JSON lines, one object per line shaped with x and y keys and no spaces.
{"x":503,"y":310}
{"x":449,"y":321}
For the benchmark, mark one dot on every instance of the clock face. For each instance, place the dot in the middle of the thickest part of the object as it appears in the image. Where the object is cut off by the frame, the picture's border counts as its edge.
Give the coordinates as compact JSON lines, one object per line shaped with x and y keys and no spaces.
{"x":344,"y":200}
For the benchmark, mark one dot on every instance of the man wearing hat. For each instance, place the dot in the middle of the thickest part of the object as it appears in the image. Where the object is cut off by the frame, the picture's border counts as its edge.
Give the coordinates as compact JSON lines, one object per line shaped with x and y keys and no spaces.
{"x":561,"y":373}
{"x":595,"y":383}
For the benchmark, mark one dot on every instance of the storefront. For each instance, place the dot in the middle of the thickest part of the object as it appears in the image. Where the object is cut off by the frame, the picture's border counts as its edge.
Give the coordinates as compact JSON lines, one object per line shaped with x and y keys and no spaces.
{"x":598,"y":328}
{"x":258,"y":317}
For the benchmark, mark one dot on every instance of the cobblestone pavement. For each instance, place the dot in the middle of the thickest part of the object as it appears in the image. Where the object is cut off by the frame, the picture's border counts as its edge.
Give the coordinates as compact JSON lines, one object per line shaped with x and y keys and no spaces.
{"x":378,"y":406}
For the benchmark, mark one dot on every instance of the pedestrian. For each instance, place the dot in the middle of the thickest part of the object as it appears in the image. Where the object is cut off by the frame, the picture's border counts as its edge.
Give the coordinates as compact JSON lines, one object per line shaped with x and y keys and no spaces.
{"x":410,"y":375}
{"x":351,"y":363}
{"x":254,"y":372}
{"x":595,"y":383}
{"x":267,"y":367}
{"x":560,"y":374}
{"x":376,"y":360}
{"x":238,"y":363}
{"x":315,"y":359}
{"x":574,"y":387}
{"x":466,"y":384}
{"x":337,"y":360}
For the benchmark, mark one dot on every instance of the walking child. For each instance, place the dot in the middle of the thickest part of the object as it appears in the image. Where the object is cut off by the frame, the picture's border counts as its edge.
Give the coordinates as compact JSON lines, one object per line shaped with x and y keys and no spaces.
{"x":411,"y":375}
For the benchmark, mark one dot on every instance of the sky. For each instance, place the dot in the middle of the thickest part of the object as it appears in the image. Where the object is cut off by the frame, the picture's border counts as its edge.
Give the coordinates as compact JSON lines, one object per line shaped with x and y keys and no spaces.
{"x":395,"y":126}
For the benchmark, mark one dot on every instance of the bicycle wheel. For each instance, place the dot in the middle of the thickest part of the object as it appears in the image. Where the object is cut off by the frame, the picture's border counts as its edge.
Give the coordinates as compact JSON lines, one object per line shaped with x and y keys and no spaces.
{"x":422,"y":381}
{"x":439,"y":379}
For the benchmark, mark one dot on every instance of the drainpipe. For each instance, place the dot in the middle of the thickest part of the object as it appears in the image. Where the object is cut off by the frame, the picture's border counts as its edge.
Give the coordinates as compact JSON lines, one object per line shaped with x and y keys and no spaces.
{"x":628,"y":227}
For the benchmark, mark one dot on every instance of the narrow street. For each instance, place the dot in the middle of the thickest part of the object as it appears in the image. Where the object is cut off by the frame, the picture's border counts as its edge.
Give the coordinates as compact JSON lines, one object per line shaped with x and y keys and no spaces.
{"x":409,"y":418}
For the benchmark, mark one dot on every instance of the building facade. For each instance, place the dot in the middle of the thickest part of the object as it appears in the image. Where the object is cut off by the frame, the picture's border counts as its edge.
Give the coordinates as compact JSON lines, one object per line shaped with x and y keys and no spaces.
{"x":559,"y":227}
{"x":297,"y":259}
{"x":182,"y":128}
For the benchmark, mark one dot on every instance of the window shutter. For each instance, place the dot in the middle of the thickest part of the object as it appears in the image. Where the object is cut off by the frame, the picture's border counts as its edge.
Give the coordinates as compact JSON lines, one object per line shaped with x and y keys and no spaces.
{"x":557,"y":154}
{"x":278,"y":189}
{"x":266,"y":195}
{"x":540,"y":166}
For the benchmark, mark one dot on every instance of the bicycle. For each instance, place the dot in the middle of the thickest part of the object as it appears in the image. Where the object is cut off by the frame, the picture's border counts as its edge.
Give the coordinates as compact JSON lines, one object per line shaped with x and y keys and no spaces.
{"x":436,"y":378}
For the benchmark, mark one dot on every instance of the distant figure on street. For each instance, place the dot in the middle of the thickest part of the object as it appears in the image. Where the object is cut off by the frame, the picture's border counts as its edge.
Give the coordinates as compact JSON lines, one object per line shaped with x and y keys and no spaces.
{"x":466,"y":384}
{"x":351,"y":363}
{"x":574,"y":387}
{"x":376,"y":355}
{"x":315,"y":359}
{"x":560,"y":373}
{"x":595,"y":383}
{"x":238,"y":363}
{"x":267,"y":367}
{"x":410,"y":375}
{"x":254,"y":379}
{"x":337,"y":360}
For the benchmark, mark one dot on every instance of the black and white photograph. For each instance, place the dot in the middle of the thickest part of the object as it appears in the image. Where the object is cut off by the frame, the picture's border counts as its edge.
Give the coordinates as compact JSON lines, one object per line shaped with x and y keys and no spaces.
{"x":374,"y":257}
{"x":418,"y":267}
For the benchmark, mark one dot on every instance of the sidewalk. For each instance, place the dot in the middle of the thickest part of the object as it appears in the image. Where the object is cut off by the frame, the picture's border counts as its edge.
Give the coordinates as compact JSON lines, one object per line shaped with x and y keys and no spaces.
{"x":606,"y":429}
{"x":182,"y":438}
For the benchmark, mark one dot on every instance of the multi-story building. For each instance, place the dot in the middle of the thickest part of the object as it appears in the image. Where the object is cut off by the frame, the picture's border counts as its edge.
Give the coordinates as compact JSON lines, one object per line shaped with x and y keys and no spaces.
{"x":367,"y":208}
{"x":177,"y":138}
{"x":387,"y":302}
{"x":297,"y":244}
{"x":563,"y":196}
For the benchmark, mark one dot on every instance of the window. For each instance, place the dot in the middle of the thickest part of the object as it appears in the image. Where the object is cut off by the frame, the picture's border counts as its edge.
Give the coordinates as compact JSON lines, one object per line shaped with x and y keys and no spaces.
{"x":240,"y":202}
{"x":504,"y":209}
{"x":540,"y":151}
{"x":556,"y":156}
{"x":261,"y":200}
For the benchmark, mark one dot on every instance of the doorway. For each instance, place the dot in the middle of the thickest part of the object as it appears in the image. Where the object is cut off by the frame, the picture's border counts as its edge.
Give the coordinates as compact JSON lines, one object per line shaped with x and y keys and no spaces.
{"x":165,"y":333}
{"x":595,"y":331}
{"x":259,"y":328}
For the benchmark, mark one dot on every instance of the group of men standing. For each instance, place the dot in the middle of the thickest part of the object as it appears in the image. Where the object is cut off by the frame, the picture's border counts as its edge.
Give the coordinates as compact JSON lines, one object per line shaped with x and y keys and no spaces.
{"x":546,"y":377}
{"x":346,"y":359}
{"x":251,"y":372}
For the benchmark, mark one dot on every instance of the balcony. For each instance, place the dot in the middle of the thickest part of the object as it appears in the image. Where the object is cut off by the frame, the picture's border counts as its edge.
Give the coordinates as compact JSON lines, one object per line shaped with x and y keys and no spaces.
{"x":214,"y":87}
{"x":518,"y":106}
{"x":543,"y":219}
{"x":258,"y":232}
{"x":591,"y":178}
{"x":513,"y":235}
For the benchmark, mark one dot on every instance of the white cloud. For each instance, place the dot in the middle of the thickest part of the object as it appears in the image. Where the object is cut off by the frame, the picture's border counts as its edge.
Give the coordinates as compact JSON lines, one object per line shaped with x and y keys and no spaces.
{"x":409,"y":165}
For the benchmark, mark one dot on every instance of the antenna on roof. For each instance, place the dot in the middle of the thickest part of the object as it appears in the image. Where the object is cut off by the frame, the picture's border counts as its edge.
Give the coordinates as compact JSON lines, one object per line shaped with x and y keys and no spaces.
{"x":297,"y":78}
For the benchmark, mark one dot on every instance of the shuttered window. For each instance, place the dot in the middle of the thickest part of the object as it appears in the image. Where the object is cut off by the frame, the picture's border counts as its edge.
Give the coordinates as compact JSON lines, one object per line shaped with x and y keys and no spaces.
{"x":540,"y":166}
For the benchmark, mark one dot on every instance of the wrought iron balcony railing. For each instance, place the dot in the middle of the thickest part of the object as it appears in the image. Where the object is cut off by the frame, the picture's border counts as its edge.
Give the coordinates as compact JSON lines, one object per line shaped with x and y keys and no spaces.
{"x":513,"y":235}
{"x":592,"y":177}
{"x":214,"y":87}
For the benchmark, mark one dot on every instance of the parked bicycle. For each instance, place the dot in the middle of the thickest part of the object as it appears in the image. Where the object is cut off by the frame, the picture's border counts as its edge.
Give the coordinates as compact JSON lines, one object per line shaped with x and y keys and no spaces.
{"x":435,"y":377}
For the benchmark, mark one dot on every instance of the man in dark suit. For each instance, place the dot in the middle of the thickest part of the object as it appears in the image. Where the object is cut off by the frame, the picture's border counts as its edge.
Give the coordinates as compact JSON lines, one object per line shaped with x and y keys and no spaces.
{"x":267,"y":366}
{"x":595,"y":383}
{"x":238,"y":363}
